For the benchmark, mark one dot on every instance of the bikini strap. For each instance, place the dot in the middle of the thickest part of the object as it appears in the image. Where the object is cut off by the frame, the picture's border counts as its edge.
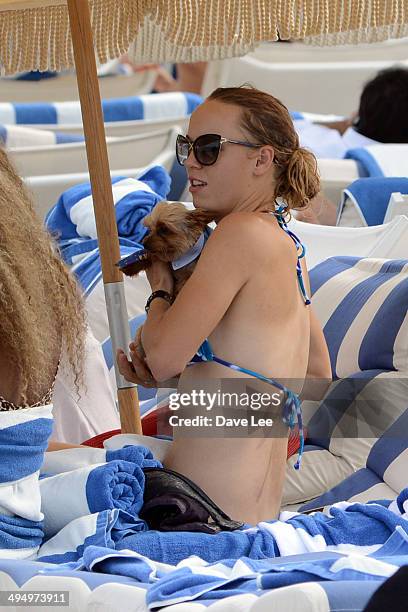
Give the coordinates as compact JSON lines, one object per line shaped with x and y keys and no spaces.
{"x":291,"y":411}
{"x":300,"y":249}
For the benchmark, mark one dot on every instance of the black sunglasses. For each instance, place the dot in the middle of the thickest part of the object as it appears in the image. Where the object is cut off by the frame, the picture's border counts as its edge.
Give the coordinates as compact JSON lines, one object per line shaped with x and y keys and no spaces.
{"x":206,"y":148}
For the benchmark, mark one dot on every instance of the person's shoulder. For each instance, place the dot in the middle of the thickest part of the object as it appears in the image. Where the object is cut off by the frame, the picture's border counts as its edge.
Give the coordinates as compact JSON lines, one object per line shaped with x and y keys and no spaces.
{"x":234,"y":238}
{"x":241,"y":225}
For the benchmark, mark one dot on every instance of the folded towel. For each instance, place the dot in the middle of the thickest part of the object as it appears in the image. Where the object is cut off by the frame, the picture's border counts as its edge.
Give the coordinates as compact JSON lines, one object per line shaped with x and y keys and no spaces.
{"x":381,"y":160}
{"x":66,"y":460}
{"x":149,"y":106}
{"x":67,"y":496}
{"x":371,"y":196}
{"x":23,"y":439}
{"x":159,"y":447}
{"x":72,"y":220}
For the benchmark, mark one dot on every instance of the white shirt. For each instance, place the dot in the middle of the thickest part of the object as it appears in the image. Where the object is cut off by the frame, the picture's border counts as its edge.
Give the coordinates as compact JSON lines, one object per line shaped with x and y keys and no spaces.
{"x":328,"y":143}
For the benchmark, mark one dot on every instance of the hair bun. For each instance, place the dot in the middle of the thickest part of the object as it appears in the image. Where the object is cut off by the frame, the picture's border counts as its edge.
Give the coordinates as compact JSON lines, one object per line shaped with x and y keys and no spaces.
{"x":299,"y":182}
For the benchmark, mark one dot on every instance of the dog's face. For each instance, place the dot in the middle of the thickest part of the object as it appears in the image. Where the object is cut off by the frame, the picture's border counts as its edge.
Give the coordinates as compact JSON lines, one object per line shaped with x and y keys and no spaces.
{"x":173,"y":229}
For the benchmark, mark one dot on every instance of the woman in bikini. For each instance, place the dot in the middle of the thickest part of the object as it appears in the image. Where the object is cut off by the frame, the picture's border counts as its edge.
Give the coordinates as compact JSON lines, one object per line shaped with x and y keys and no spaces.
{"x":245,"y":310}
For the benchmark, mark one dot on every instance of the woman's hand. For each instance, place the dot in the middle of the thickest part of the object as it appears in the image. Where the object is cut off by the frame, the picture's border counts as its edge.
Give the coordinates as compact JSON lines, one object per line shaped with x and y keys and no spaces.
{"x":135,"y":370}
{"x":160,"y":277}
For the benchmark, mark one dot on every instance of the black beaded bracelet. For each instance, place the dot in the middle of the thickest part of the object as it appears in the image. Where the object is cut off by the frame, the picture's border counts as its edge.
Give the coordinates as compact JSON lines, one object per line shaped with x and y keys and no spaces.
{"x":160,"y":293}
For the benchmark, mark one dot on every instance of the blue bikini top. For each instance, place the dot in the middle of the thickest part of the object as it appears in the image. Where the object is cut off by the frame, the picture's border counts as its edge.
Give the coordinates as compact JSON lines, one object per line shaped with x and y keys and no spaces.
{"x":291,"y":411}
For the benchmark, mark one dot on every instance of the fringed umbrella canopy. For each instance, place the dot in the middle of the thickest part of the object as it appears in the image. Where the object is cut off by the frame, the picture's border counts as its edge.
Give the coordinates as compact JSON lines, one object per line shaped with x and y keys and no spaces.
{"x":36,"y":34}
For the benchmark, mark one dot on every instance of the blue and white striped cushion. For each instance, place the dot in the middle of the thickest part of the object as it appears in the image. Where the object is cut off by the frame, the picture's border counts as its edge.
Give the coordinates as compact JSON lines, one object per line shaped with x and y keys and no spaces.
{"x":18,"y":136}
{"x":146,"y":107}
{"x":362,"y":306}
{"x":385,"y":472}
{"x":349,"y":429}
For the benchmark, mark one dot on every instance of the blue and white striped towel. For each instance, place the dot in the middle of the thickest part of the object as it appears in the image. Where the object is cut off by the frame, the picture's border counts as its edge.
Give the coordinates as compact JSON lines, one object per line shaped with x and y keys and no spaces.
{"x":23,"y":439}
{"x":70,"y":459}
{"x":71,"y":493}
{"x":146,"y":107}
{"x":87,"y":490}
{"x":72,"y":221}
{"x":352,"y":542}
{"x":381,"y":160}
{"x":371,"y":196}
{"x":104,"y":529}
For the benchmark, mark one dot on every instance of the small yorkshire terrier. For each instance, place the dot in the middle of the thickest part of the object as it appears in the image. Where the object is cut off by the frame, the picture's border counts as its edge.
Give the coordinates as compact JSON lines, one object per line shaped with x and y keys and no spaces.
{"x":173,"y":231}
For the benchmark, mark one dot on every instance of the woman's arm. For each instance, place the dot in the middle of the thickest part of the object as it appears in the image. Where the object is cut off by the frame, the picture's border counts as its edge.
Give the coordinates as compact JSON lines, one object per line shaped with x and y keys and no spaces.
{"x":172,"y":334}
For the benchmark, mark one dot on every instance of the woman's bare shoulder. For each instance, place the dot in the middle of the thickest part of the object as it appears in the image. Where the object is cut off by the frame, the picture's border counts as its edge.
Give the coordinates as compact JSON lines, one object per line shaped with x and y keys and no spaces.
{"x":245,"y":228}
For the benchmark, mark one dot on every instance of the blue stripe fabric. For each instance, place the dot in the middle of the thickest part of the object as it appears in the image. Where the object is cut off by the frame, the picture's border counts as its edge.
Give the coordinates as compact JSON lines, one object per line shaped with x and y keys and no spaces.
{"x":99,"y":529}
{"x":323,"y":272}
{"x":378,"y":344}
{"x":193,"y":100}
{"x":179,"y":180}
{"x":335,"y":406}
{"x":35,"y":113}
{"x":24,"y":437}
{"x":356,"y":483}
{"x":345,"y":313}
{"x":62,"y":138}
{"x":132,"y":108}
{"x":368,"y":162}
{"x":22,"y":448}
{"x":122,"y":109}
{"x":19,"y":533}
{"x":372,"y":195}
{"x":117,"y":484}
{"x":76,"y":234}
{"x":392,"y":443}
{"x":350,"y":595}
{"x":352,"y":542}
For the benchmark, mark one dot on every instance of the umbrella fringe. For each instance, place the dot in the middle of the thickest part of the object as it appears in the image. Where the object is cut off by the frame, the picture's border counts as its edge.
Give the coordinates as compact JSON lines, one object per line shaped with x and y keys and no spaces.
{"x":191,"y":30}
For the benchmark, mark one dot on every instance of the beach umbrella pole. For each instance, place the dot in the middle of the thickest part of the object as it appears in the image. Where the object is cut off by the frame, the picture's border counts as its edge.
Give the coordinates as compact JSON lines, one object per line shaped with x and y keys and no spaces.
{"x":92,"y":118}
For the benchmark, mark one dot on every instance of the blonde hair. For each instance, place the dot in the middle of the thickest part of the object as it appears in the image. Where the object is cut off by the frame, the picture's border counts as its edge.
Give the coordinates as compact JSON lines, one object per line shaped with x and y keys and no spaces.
{"x":268,"y":122}
{"x":41,"y":308}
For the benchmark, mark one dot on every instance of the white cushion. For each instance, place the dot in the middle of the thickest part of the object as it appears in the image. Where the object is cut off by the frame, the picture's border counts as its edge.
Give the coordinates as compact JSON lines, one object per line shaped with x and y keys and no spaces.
{"x":322,"y":241}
